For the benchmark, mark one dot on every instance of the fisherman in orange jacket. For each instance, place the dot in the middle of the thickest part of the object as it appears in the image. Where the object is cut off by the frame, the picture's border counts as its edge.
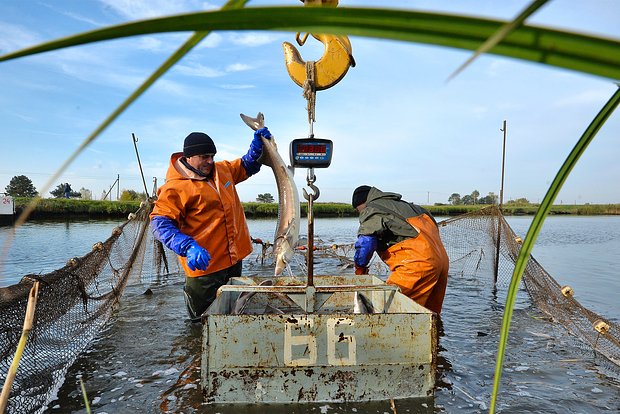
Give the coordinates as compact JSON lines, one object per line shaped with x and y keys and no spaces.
{"x":406,"y":238}
{"x":199,"y":216}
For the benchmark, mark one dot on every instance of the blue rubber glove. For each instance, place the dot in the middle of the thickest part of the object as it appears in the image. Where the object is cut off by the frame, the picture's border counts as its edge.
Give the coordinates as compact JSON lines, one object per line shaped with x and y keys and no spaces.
{"x":250,"y":160}
{"x":167,"y":232}
{"x":197,"y":257}
{"x":365,"y":246}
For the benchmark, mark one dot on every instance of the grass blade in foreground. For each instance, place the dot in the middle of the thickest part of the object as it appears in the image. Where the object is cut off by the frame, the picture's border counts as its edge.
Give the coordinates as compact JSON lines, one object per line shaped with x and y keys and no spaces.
{"x":532,"y":233}
{"x":501,"y":34}
{"x":589,"y":54}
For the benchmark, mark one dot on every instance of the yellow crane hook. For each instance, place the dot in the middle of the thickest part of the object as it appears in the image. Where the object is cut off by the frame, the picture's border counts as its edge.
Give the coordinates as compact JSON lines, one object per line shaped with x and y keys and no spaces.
{"x":331,"y":67}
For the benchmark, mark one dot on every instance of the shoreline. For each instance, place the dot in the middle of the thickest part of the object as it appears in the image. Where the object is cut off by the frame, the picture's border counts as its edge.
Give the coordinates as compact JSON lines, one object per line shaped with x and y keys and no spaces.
{"x":60,"y":208}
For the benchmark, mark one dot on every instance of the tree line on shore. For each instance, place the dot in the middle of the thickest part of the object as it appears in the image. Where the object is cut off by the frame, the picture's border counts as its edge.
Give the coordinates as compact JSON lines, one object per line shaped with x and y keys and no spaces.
{"x":51,"y":208}
{"x":22,"y":186}
{"x":69,"y":203}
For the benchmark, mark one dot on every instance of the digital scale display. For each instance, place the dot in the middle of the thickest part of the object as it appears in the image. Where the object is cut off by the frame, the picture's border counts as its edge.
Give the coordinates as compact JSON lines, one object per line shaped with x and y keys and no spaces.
{"x":311,"y":152}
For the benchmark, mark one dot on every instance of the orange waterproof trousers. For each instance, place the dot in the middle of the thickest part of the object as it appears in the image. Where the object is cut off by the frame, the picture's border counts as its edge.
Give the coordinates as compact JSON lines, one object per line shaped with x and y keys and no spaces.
{"x":419,"y":265}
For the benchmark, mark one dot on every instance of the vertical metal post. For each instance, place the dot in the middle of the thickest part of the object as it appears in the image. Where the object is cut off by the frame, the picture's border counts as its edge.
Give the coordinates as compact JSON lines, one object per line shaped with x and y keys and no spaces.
{"x":501,"y":203}
{"x":135,"y":146}
{"x":311,"y":179}
{"x":501,"y":190}
{"x":118,"y":186}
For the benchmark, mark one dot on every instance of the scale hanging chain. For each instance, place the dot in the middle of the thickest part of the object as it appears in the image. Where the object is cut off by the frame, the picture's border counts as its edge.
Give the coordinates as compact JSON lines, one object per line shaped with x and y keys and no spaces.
{"x":309,"y":93}
{"x":310,"y":177}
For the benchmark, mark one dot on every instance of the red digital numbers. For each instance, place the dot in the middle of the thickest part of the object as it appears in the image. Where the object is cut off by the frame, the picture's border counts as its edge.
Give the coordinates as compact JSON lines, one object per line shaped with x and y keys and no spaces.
{"x":312,"y":149}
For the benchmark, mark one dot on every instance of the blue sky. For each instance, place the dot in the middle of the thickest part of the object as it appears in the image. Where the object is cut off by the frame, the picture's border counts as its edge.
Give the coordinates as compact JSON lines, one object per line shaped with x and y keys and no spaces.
{"x":395,"y":121}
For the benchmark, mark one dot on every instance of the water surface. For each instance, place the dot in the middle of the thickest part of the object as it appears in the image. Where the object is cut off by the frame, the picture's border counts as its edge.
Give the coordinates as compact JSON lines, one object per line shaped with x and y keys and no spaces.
{"x":147,"y":359}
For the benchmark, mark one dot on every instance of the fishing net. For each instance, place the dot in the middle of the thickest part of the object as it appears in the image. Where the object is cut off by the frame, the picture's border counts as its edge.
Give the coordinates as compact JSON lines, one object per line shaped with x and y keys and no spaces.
{"x":75,"y":301}
{"x":482,"y":246}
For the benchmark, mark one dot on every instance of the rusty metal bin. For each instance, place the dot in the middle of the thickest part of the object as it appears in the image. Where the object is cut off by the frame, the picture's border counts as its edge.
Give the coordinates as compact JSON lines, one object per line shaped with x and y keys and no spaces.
{"x":294,"y":343}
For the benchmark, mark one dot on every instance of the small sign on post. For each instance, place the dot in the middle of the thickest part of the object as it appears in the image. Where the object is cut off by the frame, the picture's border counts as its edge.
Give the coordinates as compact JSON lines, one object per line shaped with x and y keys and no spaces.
{"x":7,"y":208}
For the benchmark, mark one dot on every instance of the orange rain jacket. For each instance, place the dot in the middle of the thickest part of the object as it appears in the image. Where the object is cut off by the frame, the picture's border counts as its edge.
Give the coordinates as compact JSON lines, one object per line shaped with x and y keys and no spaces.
{"x":208,"y":210}
{"x":410,"y":244}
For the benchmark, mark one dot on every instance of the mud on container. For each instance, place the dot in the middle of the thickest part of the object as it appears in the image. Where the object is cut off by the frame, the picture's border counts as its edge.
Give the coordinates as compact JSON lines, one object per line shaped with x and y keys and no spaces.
{"x":288,"y":343}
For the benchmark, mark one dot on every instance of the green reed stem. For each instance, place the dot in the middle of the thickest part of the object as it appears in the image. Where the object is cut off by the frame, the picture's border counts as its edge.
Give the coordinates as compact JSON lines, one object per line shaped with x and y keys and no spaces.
{"x":534,"y":229}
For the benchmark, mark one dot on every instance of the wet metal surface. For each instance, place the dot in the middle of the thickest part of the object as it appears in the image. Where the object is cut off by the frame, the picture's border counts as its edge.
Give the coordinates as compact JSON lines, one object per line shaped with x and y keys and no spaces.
{"x":334,"y":355}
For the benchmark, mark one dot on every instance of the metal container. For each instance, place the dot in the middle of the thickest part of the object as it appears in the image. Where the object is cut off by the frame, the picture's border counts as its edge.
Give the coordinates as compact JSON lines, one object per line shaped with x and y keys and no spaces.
{"x":347,"y":338}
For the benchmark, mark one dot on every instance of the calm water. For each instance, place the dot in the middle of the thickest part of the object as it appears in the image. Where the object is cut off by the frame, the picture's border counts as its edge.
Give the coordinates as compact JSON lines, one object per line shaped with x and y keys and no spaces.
{"x":147,"y":358}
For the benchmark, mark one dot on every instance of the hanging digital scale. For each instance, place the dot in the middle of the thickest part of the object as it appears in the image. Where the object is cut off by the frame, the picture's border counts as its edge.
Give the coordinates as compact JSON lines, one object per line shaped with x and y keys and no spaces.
{"x":311,"y":152}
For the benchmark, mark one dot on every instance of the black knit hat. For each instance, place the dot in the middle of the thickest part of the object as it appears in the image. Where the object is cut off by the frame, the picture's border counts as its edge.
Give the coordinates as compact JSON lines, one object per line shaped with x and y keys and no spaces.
{"x":198,"y":143}
{"x":360,"y":195}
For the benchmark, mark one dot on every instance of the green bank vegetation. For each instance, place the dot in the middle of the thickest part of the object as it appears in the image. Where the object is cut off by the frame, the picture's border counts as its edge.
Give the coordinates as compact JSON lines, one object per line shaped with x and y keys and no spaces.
{"x":256,"y":210}
{"x":265,"y":207}
{"x":531,"y":209}
{"x":78,"y":208}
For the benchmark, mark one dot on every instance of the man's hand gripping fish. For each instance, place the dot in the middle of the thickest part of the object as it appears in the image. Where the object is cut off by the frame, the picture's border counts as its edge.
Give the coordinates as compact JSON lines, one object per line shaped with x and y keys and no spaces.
{"x":287,"y":230}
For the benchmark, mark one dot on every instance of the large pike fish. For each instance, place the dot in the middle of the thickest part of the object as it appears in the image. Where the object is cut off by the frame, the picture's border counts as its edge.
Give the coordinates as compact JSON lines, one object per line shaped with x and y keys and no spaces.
{"x":287,"y":230}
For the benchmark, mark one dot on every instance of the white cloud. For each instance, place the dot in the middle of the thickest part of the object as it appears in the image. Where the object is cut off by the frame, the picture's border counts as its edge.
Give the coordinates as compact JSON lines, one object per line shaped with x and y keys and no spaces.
{"x":586,"y":97}
{"x":202,"y":71}
{"x":494,"y":68}
{"x":199,"y":71}
{"x":144,"y":9}
{"x":238,"y":67}
{"x":213,"y":40}
{"x":479,"y":111}
{"x":150,"y":43}
{"x":173,"y":88}
{"x":81,"y":18}
{"x":242,"y":86}
{"x":23,"y":117}
{"x":253,"y":39}
{"x":99,"y":68}
{"x":14,"y":37}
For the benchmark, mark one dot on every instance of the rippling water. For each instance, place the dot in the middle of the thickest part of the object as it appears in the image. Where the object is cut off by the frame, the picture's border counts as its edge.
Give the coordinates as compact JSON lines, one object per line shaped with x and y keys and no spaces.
{"x":583,"y":252}
{"x":43,"y":246}
{"x":147,"y":359}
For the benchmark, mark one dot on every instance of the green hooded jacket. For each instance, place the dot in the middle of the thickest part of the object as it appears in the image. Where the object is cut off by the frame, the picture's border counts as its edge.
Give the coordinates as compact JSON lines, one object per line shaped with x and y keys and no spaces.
{"x":385,"y":216}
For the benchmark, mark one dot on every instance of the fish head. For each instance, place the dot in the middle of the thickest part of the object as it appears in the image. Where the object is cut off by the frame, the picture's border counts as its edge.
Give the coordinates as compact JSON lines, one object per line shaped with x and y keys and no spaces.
{"x":283,"y":255}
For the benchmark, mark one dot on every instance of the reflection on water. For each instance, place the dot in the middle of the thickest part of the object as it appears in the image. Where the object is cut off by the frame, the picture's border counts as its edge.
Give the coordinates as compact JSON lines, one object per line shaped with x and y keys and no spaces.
{"x":583,"y":252}
{"x":43,"y":246}
{"x":147,"y":360}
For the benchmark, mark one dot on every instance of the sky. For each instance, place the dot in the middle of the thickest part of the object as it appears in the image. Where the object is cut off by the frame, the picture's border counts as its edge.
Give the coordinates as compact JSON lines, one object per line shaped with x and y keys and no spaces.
{"x":396,"y":121}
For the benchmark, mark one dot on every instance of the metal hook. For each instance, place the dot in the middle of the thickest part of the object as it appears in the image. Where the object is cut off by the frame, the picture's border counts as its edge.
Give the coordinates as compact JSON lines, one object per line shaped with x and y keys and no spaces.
{"x":331,"y":67}
{"x":315,"y":192}
{"x":301,"y":41}
{"x":310,"y":179}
